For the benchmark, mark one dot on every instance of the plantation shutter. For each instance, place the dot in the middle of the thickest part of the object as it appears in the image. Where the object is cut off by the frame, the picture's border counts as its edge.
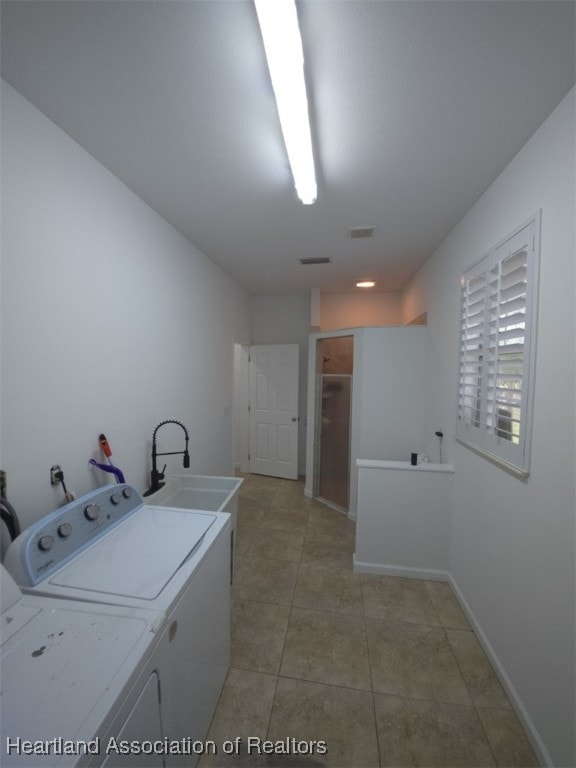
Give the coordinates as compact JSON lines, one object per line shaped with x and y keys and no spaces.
{"x":472,"y":345}
{"x":498,"y":301}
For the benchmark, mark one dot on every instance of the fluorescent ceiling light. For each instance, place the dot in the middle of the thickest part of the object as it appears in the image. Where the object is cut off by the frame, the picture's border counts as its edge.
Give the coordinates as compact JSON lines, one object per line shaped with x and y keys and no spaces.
{"x":365,"y":284}
{"x":283,"y":45}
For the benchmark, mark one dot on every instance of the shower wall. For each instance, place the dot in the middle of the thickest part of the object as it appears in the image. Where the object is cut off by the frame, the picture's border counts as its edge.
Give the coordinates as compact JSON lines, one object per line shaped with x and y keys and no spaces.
{"x":393,"y":395}
{"x":389,"y":415}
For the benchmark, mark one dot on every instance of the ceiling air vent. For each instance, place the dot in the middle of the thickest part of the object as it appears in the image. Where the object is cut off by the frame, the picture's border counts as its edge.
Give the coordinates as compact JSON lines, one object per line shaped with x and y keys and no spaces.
{"x":319,"y":260}
{"x":359,"y":232}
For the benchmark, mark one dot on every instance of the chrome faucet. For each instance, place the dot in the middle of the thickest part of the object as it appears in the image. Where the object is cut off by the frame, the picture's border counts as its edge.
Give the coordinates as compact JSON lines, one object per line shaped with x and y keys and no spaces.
{"x":156,"y":477}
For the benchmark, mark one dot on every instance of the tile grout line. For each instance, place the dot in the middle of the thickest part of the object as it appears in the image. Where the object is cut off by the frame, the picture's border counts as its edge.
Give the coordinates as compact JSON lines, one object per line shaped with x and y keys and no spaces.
{"x":277,"y":674}
{"x":445,"y":628}
{"x":283,"y":649}
{"x":486,"y":736}
{"x":371,"y":677}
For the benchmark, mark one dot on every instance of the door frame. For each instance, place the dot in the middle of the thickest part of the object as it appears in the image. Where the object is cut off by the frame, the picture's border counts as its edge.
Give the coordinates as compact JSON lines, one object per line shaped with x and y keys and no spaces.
{"x":241,"y":408}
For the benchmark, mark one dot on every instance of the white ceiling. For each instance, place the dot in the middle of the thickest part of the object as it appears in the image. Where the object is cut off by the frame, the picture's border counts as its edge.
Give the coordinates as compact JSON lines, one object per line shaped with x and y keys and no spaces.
{"x":417,"y":106}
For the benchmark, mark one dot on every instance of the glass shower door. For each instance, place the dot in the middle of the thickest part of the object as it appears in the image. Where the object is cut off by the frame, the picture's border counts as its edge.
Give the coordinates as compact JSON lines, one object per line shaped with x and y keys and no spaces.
{"x":334,"y":376}
{"x":334,"y":472}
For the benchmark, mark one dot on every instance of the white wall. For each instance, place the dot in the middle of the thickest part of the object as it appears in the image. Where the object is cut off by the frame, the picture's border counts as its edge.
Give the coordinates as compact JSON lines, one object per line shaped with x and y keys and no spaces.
{"x":389,"y":372}
{"x":403,"y":519}
{"x":286,"y":320}
{"x":512,"y":543}
{"x":111,"y":322}
{"x":353,"y":310}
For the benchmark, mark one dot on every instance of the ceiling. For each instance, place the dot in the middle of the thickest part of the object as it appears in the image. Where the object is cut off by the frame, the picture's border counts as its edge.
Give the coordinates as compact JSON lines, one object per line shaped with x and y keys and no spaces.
{"x":416,"y":106}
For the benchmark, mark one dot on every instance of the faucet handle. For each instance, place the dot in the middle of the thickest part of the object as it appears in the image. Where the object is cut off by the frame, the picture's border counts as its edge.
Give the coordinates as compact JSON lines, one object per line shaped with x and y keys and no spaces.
{"x":161,"y":474}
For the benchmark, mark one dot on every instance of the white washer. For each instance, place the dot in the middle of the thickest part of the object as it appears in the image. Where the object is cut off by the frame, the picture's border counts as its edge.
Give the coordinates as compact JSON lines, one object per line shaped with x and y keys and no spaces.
{"x":109,"y":547}
{"x":77,"y":678}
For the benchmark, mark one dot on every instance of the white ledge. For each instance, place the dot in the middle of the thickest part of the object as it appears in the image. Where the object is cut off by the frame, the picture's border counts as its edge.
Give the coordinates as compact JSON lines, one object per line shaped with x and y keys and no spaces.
{"x":403,"y":465}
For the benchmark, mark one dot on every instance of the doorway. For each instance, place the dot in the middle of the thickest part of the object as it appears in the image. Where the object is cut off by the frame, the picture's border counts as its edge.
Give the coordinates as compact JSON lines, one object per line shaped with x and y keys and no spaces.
{"x":334,"y":368}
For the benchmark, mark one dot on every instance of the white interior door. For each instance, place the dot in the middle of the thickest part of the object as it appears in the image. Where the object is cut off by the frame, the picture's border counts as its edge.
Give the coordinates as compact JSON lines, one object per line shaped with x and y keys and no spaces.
{"x":273,"y":371}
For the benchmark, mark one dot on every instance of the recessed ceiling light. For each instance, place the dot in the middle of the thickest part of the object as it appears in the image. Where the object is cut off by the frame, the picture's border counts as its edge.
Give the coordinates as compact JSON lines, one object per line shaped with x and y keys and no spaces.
{"x":365,"y":284}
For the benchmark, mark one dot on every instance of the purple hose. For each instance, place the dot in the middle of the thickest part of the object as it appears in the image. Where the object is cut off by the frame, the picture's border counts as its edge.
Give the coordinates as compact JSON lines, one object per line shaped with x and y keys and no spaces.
{"x":109,"y":468}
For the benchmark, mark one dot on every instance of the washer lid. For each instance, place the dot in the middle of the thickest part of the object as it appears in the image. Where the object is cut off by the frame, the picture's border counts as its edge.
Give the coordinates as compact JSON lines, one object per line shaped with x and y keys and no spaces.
{"x":139,"y":556}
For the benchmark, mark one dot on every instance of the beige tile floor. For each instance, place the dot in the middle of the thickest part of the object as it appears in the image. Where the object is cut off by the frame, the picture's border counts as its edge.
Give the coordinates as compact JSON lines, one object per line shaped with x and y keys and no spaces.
{"x":386,"y":671}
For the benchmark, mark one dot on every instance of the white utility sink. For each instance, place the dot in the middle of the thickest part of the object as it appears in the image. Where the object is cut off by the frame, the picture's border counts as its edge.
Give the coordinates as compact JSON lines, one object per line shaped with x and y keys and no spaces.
{"x":208,"y":493}
{"x":201,"y":492}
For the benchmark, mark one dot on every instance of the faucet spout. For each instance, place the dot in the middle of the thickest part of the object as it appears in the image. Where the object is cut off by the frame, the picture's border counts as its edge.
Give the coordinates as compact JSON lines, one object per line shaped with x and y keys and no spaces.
{"x":157,"y":477}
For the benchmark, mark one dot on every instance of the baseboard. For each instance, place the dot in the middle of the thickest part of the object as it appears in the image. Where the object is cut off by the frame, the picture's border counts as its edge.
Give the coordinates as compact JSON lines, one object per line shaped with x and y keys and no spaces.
{"x":525,"y":719}
{"x":434,"y":575}
{"x":331,"y":505}
{"x":397,"y":570}
{"x":309,"y":495}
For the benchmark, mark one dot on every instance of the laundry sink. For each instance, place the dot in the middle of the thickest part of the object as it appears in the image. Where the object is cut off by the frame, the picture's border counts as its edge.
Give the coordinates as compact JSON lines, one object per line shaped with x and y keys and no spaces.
{"x":208,"y":493}
{"x":201,"y":492}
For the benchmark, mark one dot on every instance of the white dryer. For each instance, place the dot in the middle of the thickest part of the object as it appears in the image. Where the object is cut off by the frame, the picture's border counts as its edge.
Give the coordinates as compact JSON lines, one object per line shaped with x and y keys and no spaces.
{"x":76,"y":678}
{"x":110,"y":548}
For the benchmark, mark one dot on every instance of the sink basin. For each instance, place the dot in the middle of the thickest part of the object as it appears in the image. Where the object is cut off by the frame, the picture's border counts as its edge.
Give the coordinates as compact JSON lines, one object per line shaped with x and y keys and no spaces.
{"x":201,"y":492}
{"x":208,"y":493}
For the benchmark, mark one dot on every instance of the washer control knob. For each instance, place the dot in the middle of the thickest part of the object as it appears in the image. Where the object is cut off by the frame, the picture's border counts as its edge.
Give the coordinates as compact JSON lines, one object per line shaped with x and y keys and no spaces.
{"x":45,"y":543}
{"x":92,"y":512}
{"x":116,"y":498}
{"x":64,"y":530}
{"x":127,"y":493}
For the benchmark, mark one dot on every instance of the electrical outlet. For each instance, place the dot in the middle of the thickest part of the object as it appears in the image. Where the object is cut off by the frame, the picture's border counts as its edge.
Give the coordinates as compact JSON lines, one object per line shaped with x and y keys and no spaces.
{"x":54,"y":471}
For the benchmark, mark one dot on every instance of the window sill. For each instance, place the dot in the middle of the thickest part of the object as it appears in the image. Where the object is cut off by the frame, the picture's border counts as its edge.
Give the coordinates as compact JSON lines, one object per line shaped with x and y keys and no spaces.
{"x":521,"y":474}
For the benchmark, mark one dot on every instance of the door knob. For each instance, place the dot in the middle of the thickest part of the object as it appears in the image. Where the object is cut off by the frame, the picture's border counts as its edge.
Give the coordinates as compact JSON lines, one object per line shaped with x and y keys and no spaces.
{"x":294,"y":418}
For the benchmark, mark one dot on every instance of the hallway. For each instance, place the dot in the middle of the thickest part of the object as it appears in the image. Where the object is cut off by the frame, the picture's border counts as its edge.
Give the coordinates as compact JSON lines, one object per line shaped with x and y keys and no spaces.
{"x":386,"y":671}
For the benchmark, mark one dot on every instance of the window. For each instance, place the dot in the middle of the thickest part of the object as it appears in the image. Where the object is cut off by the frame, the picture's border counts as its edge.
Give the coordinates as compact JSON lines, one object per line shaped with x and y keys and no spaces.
{"x":497,"y":348}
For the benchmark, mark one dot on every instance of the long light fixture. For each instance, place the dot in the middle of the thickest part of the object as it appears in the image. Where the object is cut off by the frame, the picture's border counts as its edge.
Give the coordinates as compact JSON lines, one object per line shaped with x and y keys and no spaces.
{"x":283,"y":46}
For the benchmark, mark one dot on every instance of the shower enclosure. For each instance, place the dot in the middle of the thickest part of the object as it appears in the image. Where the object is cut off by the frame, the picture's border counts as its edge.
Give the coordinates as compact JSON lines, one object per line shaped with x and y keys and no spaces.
{"x":391,"y":414}
{"x":334,"y":365}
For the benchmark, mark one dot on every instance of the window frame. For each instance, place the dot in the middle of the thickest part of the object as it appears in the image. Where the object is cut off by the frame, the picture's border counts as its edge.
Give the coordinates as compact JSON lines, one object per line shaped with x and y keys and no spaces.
{"x":489,"y":350}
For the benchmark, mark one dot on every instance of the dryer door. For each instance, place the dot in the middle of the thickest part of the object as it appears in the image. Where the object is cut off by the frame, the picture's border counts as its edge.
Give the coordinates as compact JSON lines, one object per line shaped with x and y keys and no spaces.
{"x":143,"y":725}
